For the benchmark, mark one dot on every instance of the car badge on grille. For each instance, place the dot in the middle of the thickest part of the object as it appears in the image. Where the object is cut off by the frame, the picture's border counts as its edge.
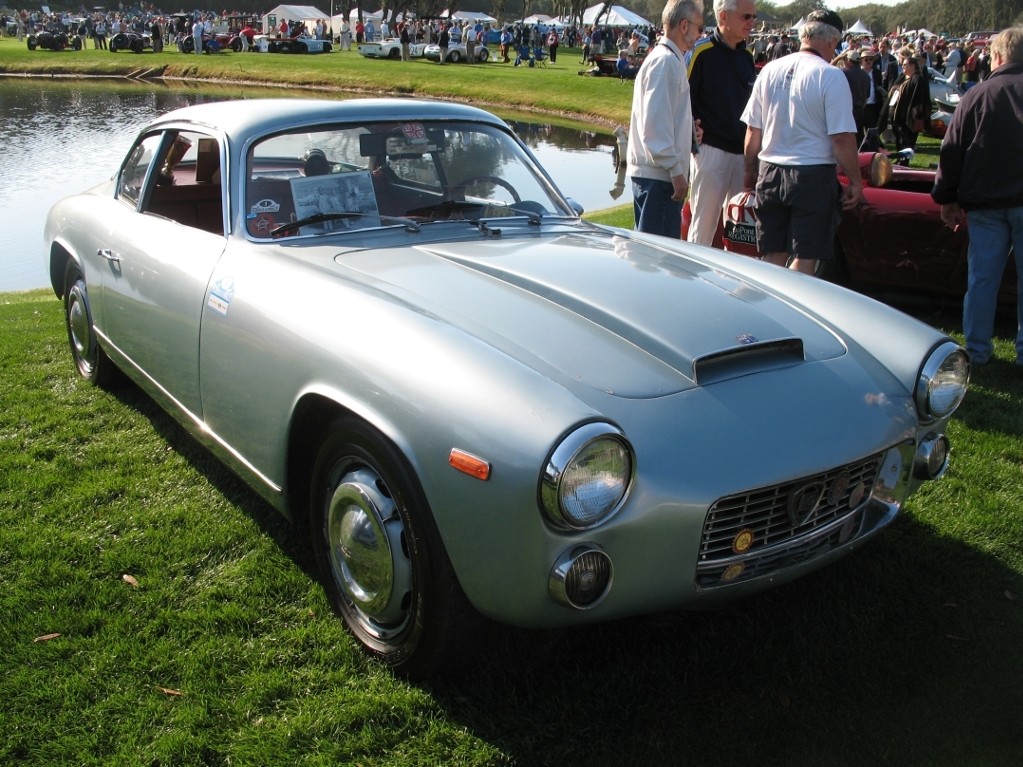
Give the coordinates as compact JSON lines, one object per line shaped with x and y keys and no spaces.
{"x":838,"y":488}
{"x":803,"y":502}
{"x":746,"y":338}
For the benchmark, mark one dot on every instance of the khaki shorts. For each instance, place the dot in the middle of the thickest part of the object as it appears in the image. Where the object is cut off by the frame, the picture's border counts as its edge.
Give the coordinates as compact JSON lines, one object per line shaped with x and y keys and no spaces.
{"x":798,"y":209}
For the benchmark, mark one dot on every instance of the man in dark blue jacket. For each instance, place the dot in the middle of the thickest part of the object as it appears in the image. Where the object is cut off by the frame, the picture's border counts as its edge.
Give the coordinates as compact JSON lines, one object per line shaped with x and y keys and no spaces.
{"x":980,"y":183}
{"x":721,"y":75}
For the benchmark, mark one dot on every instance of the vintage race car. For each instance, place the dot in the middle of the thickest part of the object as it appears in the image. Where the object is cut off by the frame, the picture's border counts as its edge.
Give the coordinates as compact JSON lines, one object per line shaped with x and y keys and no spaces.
{"x":300,"y":44}
{"x":456,"y":53}
{"x":56,"y":39}
{"x":131,"y":41}
{"x":893,"y":243}
{"x":390,"y":49}
{"x":385,"y":317}
{"x":941,"y":89}
{"x":895,"y":239}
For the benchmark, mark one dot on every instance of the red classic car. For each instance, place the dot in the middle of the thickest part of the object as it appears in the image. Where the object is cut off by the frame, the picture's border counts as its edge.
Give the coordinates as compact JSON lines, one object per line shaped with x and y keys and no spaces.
{"x":893,"y":241}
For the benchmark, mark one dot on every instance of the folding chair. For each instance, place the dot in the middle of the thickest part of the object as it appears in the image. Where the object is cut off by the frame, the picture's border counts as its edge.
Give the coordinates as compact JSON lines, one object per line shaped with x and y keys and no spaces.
{"x":540,"y":57}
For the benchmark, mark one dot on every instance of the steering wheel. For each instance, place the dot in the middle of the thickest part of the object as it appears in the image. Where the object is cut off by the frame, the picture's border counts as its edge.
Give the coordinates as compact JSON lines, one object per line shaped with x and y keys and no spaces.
{"x":461,"y":186}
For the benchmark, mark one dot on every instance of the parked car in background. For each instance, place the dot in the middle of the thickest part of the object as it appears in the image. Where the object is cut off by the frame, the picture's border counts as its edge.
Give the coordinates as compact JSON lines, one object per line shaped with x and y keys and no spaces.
{"x":55,"y":39}
{"x":299,"y":44}
{"x":456,"y":53}
{"x":387,"y":319}
{"x":131,"y":41}
{"x":894,"y":241}
{"x":941,"y":88}
{"x":390,"y":49}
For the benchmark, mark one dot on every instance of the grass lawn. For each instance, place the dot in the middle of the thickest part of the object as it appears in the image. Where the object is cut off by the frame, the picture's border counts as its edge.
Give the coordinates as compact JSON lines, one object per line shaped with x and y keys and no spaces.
{"x":153,"y":611}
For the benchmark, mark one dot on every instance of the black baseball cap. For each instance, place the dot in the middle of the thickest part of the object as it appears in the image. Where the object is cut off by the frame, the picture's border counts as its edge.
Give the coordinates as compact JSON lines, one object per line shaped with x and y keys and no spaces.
{"x":830,"y":18}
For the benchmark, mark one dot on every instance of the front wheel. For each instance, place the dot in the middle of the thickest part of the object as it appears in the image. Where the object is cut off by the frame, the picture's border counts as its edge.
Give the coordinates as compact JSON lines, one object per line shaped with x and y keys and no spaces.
{"x":380,"y":556}
{"x":454,"y":57}
{"x":90,"y":360}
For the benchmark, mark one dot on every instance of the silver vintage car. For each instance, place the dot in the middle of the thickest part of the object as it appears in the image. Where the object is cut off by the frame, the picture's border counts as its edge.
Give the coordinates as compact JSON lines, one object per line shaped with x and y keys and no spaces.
{"x":388,"y":320}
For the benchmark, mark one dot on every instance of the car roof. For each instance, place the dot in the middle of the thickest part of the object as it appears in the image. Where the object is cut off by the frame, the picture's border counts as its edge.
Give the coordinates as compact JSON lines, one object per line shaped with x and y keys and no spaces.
{"x":241,"y":119}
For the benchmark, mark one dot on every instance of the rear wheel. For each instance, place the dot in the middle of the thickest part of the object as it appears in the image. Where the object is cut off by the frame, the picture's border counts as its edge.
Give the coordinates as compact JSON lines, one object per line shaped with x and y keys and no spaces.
{"x":454,"y":57}
{"x":380,"y":556}
{"x":91,"y":361}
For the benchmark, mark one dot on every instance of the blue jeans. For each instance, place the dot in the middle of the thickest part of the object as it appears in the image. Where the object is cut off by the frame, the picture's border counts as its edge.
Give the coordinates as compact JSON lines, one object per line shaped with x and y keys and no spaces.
{"x":992,"y":233}
{"x":656,"y":212}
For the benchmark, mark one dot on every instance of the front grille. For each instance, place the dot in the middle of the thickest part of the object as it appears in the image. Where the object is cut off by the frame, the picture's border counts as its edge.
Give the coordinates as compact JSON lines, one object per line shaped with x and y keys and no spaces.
{"x":755,"y":533}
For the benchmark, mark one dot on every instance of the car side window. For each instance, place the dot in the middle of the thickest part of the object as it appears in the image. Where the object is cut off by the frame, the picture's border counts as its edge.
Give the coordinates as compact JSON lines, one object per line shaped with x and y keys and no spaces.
{"x":185,"y":186}
{"x":136,"y":168}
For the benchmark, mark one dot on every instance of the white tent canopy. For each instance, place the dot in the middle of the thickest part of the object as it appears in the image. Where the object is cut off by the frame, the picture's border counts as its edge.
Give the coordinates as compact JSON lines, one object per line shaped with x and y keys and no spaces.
{"x":338,"y":19}
{"x":617,"y":16}
{"x":468,"y":16}
{"x":538,"y":18}
{"x":354,"y":15}
{"x":859,"y":28}
{"x":304,"y":13}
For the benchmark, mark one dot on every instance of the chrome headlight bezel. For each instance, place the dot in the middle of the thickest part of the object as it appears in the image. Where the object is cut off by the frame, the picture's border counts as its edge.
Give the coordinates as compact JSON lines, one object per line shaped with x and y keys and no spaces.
{"x":571,"y":468}
{"x":942,"y":383}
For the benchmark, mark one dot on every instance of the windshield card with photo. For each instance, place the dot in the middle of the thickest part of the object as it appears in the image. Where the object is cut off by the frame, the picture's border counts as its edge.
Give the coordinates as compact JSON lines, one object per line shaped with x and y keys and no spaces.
{"x":337,"y":193}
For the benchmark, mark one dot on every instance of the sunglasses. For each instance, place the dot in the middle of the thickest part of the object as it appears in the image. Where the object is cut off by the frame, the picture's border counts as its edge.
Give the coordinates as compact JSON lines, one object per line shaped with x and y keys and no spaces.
{"x":745,"y":16}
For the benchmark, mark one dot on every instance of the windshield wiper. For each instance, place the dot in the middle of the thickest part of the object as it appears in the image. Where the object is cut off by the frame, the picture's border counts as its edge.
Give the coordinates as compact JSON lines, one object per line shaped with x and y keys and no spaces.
{"x":319,"y":218}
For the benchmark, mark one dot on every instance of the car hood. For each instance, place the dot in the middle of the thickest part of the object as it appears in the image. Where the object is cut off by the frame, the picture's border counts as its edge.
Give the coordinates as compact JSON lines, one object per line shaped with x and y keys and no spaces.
{"x":612,"y":312}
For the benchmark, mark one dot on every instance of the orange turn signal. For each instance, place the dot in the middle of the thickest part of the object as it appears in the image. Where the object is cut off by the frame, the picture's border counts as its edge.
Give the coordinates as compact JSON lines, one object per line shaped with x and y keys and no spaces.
{"x":469,"y":464}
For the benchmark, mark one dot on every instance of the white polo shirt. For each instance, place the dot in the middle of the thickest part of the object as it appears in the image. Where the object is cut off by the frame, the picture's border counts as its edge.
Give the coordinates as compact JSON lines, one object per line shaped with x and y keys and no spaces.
{"x":799,"y":101}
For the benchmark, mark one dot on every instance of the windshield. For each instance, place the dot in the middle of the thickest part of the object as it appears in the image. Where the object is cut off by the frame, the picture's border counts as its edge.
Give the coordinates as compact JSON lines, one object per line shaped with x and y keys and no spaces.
{"x":380,"y":174}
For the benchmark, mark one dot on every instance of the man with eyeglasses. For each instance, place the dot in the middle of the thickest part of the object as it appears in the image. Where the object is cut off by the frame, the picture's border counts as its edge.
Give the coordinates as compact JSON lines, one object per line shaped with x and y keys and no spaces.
{"x":661,"y":128}
{"x":799,"y":123}
{"x":721,"y":76}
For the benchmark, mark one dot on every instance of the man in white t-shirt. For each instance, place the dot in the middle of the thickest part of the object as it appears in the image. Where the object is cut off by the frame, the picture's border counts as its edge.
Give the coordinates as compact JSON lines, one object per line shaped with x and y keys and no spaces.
{"x":799,"y":122}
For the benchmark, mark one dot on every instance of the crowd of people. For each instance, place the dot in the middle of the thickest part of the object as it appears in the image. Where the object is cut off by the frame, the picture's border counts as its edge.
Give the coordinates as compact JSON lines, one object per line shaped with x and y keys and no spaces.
{"x":770,"y":119}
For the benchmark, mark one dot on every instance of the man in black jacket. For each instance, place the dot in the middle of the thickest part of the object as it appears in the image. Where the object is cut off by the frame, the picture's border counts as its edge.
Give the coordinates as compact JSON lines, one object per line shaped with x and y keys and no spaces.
{"x":980,"y":182}
{"x":721,"y":75}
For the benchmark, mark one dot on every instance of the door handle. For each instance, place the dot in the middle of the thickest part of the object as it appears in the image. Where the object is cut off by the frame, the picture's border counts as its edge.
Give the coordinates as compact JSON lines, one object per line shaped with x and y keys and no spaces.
{"x":108,"y":254}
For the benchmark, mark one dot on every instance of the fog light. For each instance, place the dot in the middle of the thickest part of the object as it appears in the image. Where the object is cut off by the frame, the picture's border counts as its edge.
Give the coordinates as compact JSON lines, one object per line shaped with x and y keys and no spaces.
{"x":581,"y":577}
{"x":931,"y":457}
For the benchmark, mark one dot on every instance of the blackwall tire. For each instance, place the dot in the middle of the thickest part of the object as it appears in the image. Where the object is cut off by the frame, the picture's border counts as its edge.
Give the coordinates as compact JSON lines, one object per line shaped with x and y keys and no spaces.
{"x":380,"y":556}
{"x":90,"y":360}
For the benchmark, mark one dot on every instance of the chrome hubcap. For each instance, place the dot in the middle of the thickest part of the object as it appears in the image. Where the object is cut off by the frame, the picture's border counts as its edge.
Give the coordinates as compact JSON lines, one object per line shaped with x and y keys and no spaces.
{"x":368,"y":557}
{"x":78,"y":323}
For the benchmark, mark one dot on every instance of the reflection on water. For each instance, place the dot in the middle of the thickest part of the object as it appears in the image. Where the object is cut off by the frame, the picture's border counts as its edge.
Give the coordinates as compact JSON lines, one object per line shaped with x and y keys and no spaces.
{"x":57,"y":138}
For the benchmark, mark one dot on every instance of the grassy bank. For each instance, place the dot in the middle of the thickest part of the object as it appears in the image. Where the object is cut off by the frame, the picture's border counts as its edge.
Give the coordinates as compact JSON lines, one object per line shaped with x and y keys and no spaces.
{"x":555,"y":89}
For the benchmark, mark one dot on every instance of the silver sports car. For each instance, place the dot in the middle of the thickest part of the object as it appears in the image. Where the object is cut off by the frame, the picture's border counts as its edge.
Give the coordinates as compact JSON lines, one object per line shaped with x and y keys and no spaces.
{"x":389,"y":321}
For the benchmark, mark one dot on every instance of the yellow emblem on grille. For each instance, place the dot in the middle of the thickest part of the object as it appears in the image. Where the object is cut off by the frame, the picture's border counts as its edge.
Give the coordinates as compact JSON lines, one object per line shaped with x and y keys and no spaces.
{"x":743,"y":540}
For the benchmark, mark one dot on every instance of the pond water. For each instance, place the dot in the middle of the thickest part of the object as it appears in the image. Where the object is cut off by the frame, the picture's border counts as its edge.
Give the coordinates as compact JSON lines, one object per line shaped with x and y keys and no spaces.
{"x":58,"y":138}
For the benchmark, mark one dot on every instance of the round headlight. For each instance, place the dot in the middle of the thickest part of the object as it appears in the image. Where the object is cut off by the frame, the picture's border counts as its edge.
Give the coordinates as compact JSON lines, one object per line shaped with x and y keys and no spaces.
{"x":942,"y":382}
{"x":587,"y":477}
